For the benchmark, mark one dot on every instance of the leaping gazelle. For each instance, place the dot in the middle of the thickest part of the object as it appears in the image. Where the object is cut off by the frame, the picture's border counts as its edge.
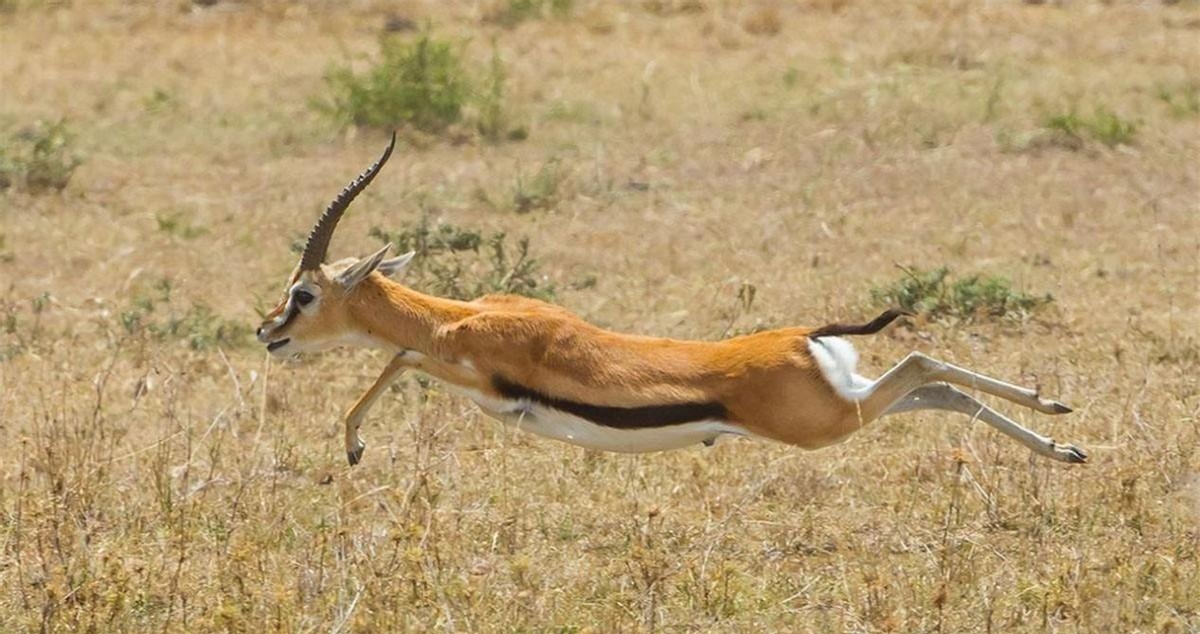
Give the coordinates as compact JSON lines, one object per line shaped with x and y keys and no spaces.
{"x":541,"y":368}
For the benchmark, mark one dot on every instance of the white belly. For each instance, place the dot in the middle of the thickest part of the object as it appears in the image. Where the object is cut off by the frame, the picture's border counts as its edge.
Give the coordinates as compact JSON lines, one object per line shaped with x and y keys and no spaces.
{"x":552,"y":423}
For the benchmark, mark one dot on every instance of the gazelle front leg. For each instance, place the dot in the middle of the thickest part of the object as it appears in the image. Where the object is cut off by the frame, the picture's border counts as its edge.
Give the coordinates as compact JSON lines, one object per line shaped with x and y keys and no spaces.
{"x":354,"y":417}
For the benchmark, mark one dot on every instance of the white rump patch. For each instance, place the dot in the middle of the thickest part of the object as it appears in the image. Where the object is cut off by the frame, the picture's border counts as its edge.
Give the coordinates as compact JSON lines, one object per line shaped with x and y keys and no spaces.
{"x":838,"y":361}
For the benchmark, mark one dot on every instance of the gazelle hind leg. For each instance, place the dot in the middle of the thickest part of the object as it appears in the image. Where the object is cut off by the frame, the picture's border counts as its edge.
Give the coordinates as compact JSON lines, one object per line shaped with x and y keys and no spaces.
{"x":1020,"y":395}
{"x":917,"y":369}
{"x":940,"y":396}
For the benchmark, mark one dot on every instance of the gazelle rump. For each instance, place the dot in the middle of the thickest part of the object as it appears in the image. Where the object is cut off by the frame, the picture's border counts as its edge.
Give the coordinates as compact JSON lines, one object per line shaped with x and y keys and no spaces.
{"x":541,"y":368}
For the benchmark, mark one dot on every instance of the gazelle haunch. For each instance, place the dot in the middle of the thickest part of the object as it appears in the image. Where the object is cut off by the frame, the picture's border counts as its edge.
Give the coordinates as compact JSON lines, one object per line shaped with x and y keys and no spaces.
{"x":539,"y":367}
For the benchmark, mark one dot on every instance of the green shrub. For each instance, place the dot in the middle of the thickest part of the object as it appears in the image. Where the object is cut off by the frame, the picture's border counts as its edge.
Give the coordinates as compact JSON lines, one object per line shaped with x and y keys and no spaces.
{"x":419,"y":83}
{"x":462,"y":263}
{"x":422,"y":84}
{"x":37,"y":158}
{"x":934,"y":293}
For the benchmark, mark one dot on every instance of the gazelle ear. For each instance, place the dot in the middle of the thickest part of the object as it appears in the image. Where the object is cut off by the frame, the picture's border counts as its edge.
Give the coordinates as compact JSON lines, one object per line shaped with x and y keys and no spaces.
{"x":394,"y":265}
{"x":359,"y":271}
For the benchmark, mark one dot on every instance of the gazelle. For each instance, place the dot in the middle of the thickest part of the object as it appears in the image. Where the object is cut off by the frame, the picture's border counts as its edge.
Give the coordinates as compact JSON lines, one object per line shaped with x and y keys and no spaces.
{"x":541,"y":368}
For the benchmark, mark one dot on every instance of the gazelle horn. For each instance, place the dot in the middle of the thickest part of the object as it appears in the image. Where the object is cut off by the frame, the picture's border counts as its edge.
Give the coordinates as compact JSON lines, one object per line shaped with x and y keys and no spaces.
{"x":318,"y":238}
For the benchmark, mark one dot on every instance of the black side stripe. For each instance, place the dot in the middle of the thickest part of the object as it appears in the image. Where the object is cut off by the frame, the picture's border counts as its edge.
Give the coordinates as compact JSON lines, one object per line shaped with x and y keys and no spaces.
{"x":647,"y":416}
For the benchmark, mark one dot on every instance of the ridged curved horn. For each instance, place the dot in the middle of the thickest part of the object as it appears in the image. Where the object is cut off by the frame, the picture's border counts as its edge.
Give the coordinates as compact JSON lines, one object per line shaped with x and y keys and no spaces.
{"x":318,"y":238}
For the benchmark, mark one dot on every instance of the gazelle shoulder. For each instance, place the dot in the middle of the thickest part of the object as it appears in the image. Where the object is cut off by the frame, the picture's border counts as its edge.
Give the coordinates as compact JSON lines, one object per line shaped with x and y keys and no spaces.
{"x":503,"y":332}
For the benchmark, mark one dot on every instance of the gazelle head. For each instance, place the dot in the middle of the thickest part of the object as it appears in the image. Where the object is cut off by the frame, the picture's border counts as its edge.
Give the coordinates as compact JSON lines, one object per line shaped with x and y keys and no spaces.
{"x":314,"y":312}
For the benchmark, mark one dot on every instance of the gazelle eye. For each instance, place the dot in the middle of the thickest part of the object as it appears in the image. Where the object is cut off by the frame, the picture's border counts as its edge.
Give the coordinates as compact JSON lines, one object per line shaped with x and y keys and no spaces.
{"x":302,"y":297}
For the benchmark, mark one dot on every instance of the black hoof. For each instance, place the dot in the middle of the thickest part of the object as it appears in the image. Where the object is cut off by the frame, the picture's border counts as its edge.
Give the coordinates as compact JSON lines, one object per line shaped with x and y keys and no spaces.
{"x":354,"y":456}
{"x":1059,"y":408}
{"x":1074,"y":454}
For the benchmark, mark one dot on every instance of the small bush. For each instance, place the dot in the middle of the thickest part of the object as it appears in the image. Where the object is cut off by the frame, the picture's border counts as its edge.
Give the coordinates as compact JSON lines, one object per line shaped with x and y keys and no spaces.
{"x":462,"y":263}
{"x":1104,"y":126}
{"x":934,"y":293}
{"x":37,"y":158}
{"x":423,"y":85}
{"x":419,"y":83}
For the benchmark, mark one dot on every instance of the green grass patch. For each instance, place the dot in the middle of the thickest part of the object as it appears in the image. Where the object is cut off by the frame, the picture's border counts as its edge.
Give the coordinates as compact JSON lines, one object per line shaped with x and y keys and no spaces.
{"x":464,"y":263}
{"x":38,"y":158}
{"x":1105,"y":126}
{"x":940,"y":294}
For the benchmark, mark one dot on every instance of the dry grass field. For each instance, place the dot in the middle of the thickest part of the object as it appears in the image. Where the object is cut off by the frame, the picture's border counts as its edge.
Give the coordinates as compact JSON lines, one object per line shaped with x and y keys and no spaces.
{"x":691,"y":169}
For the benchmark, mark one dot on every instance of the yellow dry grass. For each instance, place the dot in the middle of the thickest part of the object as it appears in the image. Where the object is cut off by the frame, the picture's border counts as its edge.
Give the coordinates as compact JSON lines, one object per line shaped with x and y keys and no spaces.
{"x":148,"y":486}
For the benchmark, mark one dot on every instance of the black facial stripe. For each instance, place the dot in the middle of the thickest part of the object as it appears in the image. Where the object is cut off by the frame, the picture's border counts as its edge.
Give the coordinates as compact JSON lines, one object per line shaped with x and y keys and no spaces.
{"x":647,"y":416}
{"x":292,"y":311}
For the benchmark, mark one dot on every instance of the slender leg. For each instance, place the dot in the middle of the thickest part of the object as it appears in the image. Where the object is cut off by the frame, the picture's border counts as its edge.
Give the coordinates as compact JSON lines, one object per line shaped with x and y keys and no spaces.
{"x":917,"y":369}
{"x":944,"y":397}
{"x":354,"y":417}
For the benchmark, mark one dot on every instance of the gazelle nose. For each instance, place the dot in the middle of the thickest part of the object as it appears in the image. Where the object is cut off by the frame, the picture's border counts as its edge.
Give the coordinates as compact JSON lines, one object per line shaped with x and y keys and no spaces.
{"x":258,"y":333}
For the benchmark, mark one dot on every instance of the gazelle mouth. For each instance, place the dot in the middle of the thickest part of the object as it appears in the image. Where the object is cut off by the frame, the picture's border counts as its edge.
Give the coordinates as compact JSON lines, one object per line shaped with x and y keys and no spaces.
{"x":275,"y":345}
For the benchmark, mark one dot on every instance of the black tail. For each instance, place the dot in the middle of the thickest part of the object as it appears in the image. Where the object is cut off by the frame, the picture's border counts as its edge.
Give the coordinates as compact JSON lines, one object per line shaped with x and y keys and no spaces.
{"x":874,"y":326}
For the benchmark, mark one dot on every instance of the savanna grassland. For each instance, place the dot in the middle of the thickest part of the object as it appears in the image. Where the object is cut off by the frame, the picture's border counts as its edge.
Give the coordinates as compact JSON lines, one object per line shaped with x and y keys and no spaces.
{"x":679,"y":168}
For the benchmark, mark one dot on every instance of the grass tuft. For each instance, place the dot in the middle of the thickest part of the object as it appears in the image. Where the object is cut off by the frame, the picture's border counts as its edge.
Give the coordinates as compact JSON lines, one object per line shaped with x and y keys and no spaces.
{"x":38,"y":158}
{"x":543,"y":191}
{"x":494,"y":119}
{"x":938,"y":294}
{"x":1071,"y":128}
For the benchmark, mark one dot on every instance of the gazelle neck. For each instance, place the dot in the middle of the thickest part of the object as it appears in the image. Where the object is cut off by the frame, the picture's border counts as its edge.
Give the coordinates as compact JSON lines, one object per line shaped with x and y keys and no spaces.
{"x":401,"y":317}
